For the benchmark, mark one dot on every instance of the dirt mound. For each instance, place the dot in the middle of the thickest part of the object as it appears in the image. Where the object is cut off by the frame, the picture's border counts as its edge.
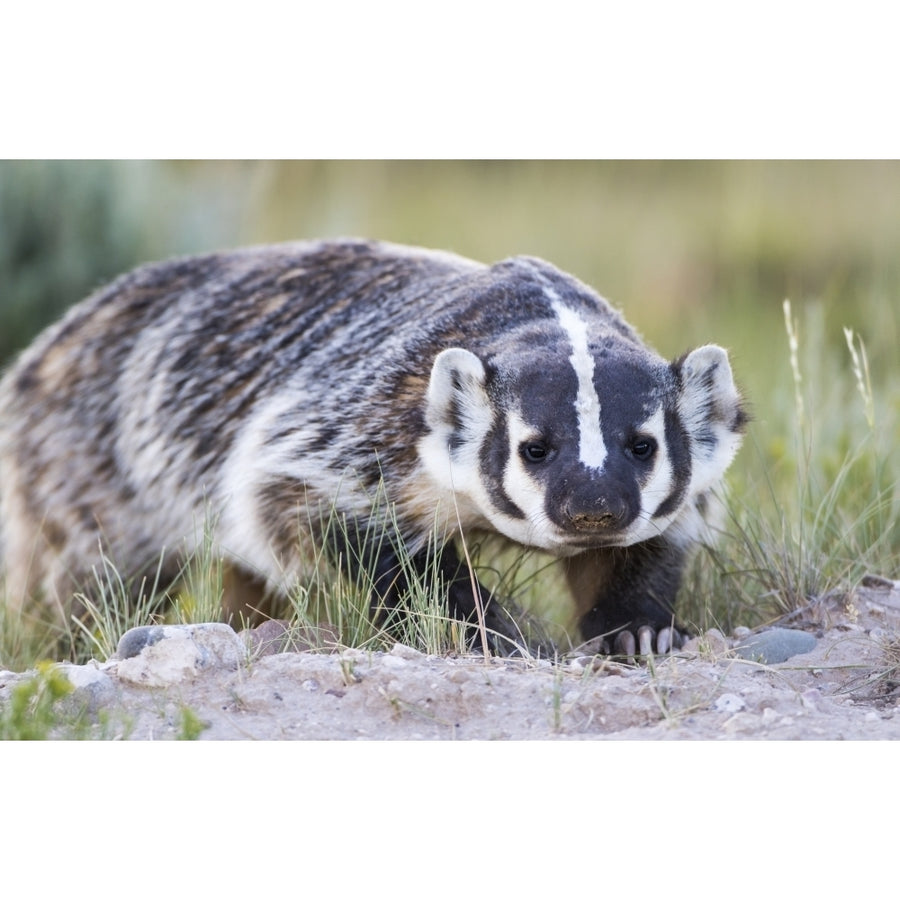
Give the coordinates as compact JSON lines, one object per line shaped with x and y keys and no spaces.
{"x":209,"y":682}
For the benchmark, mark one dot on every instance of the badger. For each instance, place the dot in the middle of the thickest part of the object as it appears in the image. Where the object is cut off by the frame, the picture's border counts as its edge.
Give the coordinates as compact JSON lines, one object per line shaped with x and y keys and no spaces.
{"x":256,"y":389}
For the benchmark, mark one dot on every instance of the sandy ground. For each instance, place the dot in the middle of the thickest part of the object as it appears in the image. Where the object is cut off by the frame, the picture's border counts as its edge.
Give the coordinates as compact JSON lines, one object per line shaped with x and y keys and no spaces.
{"x":847,"y":686}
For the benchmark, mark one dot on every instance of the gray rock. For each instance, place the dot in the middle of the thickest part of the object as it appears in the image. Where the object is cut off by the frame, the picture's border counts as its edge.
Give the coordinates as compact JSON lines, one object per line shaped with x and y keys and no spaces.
{"x":775,"y":645}
{"x":135,"y":639}
{"x":273,"y":636}
{"x":711,"y":643}
{"x":404,"y":652}
{"x":94,"y":689}
{"x":156,"y":656}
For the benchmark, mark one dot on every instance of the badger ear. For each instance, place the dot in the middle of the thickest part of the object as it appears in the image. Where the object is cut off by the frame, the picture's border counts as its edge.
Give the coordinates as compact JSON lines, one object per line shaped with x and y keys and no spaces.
{"x":711,"y":410}
{"x":456,"y":391}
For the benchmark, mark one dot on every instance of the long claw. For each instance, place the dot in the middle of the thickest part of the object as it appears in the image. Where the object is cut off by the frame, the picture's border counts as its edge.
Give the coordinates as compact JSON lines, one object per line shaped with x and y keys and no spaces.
{"x":625,"y":645}
{"x":645,"y":640}
{"x":664,"y":641}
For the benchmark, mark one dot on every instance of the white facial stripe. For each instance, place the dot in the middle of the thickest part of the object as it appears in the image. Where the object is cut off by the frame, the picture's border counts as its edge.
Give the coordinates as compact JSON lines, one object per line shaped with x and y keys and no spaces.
{"x":662,"y":482}
{"x":459,"y":485}
{"x":520,"y":487}
{"x":591,"y":447}
{"x":536,"y":529}
{"x":659,"y":486}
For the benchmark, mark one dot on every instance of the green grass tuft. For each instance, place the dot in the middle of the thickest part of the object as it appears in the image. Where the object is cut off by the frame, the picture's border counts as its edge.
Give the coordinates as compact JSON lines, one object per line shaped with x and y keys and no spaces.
{"x":33,"y":710}
{"x":821,"y":506}
{"x":110,"y":609}
{"x":190,"y":725}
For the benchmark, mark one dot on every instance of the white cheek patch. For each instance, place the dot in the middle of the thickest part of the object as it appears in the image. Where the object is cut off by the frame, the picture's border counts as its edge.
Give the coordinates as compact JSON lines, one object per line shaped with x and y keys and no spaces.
{"x":455,"y":469}
{"x":658,"y":486}
{"x":711,"y":466}
{"x":527,"y":493}
{"x":452,"y":460}
{"x":458,"y":478}
{"x":591,"y":446}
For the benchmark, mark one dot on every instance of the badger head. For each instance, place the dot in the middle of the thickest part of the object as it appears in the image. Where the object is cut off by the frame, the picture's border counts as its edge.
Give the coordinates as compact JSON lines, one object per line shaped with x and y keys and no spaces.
{"x":571,"y":437}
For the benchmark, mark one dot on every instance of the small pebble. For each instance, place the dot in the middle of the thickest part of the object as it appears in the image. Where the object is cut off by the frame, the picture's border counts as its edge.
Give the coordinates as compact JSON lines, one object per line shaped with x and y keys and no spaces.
{"x":729,"y":703}
{"x":711,"y":643}
{"x":93,"y":687}
{"x":393,"y":662}
{"x":878,"y":581}
{"x":775,"y":645}
{"x":810,"y":698}
{"x":403,"y":651}
{"x":271,"y":637}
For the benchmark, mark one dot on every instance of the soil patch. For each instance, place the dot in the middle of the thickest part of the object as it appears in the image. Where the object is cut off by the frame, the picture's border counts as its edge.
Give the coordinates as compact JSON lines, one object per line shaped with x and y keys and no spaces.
{"x":210,"y":683}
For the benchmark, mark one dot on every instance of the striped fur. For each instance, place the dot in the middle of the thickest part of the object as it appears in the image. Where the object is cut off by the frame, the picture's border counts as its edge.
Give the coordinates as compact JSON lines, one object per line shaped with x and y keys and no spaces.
{"x":253,"y":389}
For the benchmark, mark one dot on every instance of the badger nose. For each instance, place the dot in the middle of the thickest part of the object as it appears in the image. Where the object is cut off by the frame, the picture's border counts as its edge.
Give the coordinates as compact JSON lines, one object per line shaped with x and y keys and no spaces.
{"x":594,"y":522}
{"x":602,"y":516}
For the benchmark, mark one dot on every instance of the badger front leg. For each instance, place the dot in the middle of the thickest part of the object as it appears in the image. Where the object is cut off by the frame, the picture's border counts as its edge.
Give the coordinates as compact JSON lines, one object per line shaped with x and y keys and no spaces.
{"x":395,"y":575}
{"x":509,"y":629}
{"x":625,"y":596}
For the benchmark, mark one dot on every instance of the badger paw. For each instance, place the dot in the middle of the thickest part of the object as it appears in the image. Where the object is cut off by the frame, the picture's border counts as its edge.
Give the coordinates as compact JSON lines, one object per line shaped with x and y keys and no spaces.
{"x":645,"y":641}
{"x":648,"y":641}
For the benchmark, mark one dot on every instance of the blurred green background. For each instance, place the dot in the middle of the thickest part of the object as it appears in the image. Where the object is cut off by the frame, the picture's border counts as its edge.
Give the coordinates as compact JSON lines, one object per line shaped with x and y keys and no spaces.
{"x":693,"y":252}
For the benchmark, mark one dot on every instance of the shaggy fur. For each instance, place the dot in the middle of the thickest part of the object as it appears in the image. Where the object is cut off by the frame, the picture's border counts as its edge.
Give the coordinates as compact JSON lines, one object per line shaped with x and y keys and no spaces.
{"x":251,"y":390}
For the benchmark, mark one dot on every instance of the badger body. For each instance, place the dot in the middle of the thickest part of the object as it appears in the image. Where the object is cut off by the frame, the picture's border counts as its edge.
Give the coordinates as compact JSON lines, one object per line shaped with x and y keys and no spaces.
{"x":252,"y":392}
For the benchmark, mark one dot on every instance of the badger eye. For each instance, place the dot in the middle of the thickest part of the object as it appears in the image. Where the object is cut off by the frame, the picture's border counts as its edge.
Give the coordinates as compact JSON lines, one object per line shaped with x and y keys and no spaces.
{"x":643,"y":448}
{"x":534,"y":451}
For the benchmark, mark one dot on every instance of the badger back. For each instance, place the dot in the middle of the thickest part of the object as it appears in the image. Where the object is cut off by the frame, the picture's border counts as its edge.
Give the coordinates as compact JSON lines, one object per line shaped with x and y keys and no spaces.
{"x":216,"y":381}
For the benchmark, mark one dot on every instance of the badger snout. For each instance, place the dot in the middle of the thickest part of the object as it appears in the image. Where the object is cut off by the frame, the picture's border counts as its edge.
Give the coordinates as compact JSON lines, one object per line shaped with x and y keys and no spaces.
{"x":603,"y":515}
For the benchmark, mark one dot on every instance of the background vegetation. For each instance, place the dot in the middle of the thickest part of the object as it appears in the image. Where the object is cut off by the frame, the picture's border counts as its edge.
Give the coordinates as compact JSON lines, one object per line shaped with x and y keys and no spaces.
{"x":693,"y":252}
